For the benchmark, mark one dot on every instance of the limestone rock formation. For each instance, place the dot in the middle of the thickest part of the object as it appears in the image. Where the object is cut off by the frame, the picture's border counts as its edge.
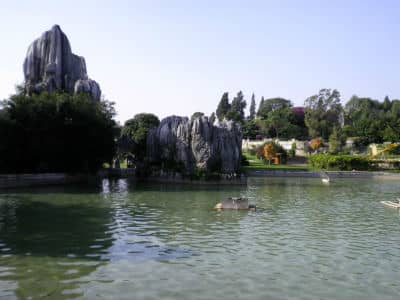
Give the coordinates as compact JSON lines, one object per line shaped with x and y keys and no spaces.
{"x":197,"y":144}
{"x":50,"y":65}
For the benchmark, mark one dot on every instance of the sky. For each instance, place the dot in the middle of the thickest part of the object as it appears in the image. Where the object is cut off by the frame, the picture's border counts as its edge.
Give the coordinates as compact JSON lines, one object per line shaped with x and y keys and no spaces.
{"x":179,"y":57}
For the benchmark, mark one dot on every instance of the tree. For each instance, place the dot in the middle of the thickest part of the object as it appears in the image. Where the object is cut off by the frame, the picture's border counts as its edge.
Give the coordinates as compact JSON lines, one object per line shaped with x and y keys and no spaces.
{"x":391,"y":132}
{"x":260,"y":106}
{"x":279,"y":123}
{"x":250,"y":129}
{"x":293,"y":149}
{"x":273,"y":150}
{"x":300,"y":130}
{"x":323,"y":112}
{"x":280,"y":120}
{"x":56,"y":132}
{"x":196,"y":115}
{"x":336,"y":141}
{"x":316,"y":143}
{"x":272,"y":104}
{"x":252,"y":108}
{"x":137,"y":129}
{"x":269,"y":152}
{"x":387,"y":104}
{"x":223,"y":107}
{"x":370,"y":120}
{"x":236,"y":112}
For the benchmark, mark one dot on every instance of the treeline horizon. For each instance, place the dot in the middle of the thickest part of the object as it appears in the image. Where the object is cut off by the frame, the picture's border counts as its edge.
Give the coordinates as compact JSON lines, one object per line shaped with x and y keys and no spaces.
{"x":322,"y":116}
{"x":64,"y":132}
{"x":55,"y":132}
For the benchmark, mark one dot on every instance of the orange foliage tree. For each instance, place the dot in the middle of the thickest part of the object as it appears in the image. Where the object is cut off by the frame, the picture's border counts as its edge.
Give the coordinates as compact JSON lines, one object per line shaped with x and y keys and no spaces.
{"x":315,"y":144}
{"x":269,"y":152}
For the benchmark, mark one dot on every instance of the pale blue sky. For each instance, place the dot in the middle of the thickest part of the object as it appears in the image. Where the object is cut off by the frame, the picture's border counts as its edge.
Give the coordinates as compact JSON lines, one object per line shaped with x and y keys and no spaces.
{"x":178,"y":57}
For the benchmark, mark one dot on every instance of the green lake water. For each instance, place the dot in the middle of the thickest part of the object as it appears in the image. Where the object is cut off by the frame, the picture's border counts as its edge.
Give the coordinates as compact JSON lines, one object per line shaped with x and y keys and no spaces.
{"x":121,"y":240}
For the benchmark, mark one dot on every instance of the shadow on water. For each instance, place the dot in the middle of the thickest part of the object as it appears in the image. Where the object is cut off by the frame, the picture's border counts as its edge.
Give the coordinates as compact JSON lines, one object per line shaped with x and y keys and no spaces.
{"x":61,"y":221}
{"x":52,"y":238}
{"x":94,"y":187}
{"x":48,"y":243}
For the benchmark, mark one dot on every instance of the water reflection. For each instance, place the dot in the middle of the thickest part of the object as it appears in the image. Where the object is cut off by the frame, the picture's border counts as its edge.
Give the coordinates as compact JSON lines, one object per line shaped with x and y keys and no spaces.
{"x":120,"y":238}
{"x":62,"y":236}
{"x":49,"y":242}
{"x":156,"y":221}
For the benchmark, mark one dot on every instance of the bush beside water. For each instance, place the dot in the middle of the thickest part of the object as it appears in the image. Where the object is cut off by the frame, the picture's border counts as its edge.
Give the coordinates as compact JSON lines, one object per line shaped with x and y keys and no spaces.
{"x":340,"y":162}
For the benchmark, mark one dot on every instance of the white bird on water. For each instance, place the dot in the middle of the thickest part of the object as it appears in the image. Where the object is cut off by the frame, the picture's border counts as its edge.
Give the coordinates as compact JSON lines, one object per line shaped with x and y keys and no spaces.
{"x":325,"y":178}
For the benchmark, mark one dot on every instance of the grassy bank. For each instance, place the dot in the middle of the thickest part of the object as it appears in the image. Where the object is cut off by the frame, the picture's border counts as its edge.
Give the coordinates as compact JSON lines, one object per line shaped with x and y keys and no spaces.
{"x":319,"y":162}
{"x":256,"y":164}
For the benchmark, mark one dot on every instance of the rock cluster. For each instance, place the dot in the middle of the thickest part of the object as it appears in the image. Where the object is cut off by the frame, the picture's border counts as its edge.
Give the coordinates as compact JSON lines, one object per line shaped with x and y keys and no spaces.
{"x":196,"y":145}
{"x":50,"y":65}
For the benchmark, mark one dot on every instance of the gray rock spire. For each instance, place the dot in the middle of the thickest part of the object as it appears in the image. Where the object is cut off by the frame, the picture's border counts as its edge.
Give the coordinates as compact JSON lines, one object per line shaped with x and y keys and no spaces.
{"x":196,"y":144}
{"x":50,"y":65}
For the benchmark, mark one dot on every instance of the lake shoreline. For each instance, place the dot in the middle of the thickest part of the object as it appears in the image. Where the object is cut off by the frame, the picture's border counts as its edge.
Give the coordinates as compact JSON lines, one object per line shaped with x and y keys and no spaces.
{"x":319,"y":174}
{"x":11,"y":181}
{"x":172,"y":180}
{"x":46,"y":179}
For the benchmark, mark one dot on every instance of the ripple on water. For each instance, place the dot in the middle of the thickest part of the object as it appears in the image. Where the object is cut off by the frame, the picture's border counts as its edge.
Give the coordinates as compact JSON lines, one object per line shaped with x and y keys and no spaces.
{"x":306,"y":241}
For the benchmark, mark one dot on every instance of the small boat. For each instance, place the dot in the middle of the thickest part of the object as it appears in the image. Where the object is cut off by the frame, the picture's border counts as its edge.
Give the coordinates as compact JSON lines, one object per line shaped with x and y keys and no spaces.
{"x":392,"y":204}
{"x":236,"y":204}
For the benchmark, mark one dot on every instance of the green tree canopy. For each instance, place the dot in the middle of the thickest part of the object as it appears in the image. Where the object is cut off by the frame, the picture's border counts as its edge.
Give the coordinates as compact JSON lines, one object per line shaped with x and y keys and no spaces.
{"x":252,"y":107}
{"x":279,"y":120}
{"x":55,"y":132}
{"x":223,"y":107}
{"x":336,"y":141}
{"x":372,"y":121}
{"x":272,"y":104}
{"x":260,"y":106}
{"x":137,"y":129}
{"x":250,"y":129}
{"x":323,"y":112}
{"x":196,"y":115}
{"x":236,"y":111}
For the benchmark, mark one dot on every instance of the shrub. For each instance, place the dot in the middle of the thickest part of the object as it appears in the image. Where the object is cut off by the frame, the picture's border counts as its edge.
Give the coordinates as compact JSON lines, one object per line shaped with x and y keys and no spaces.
{"x":393,"y":149}
{"x":340,"y":162}
{"x":292,"y":151}
{"x":270,"y":150}
{"x":315,"y":144}
{"x":252,"y":150}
